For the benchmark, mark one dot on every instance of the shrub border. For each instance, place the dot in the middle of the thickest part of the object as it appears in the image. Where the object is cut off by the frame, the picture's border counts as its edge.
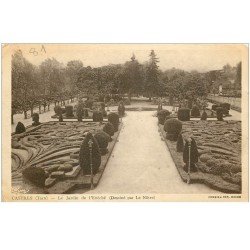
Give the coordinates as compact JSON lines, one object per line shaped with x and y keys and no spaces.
{"x":213,"y":181}
{"x":83,"y":182}
{"x":70,"y":184}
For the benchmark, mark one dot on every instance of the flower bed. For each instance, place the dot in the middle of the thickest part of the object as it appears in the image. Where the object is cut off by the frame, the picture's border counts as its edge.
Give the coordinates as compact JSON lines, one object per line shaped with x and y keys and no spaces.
{"x":219,"y":146}
{"x":54,"y":147}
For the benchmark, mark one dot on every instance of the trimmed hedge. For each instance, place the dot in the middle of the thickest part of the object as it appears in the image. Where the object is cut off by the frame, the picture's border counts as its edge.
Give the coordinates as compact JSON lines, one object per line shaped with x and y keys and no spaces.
{"x":109,"y":129}
{"x":219,"y":113}
{"x":79,"y":112}
{"x":183,"y":114}
{"x":195,"y":111}
{"x":173,"y":128}
{"x":102,"y":139}
{"x":36,"y":175}
{"x":97,"y":116}
{"x":113,"y":118}
{"x":226,"y":105}
{"x":85,"y":113}
{"x":162,"y":114}
{"x":35,"y":118}
{"x":20,"y":128}
{"x":215,"y":106}
{"x":159,"y":107}
{"x":69,"y":111}
{"x":121,"y":109}
{"x":126,"y":101}
{"x":179,"y":144}
{"x":194,"y":155}
{"x":204,"y":116}
{"x":84,"y":155}
{"x":58,"y":110}
{"x":60,"y":118}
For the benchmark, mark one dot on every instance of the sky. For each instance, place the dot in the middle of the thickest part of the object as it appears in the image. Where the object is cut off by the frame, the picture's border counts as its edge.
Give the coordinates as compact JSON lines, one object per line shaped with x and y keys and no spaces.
{"x":200,"y":57}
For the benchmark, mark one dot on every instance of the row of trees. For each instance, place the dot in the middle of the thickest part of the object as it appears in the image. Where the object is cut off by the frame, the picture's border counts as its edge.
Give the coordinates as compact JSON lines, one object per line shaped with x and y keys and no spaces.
{"x":51,"y":81}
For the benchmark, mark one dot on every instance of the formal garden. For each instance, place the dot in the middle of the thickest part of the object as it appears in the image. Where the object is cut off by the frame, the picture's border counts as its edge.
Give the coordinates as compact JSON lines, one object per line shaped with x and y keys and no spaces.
{"x":72,"y":117}
{"x":50,"y":155}
{"x":205,"y":147}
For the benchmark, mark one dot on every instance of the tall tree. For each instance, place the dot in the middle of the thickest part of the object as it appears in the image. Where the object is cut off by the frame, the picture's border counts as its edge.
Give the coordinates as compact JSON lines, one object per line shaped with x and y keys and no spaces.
{"x":152,"y":75}
{"x":23,"y":83}
{"x":132,"y":78}
{"x":72,"y":71}
{"x":52,"y":81}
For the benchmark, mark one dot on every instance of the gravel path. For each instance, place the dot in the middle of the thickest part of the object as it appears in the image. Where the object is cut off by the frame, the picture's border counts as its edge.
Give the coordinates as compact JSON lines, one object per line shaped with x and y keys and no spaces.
{"x":141,"y":162}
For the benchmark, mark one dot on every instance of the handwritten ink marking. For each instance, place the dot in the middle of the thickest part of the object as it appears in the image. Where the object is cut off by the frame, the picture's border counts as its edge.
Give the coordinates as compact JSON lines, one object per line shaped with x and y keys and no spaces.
{"x":33,"y":51}
{"x":36,"y":53}
{"x":43,"y":49}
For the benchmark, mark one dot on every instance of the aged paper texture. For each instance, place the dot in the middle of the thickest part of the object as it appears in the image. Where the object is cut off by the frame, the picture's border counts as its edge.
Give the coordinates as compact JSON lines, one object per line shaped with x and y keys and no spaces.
{"x":124,"y":122}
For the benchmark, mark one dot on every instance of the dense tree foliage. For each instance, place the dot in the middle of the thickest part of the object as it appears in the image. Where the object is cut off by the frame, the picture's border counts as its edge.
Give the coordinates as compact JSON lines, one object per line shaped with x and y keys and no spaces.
{"x":51,"y":81}
{"x":131,"y":78}
{"x":152,"y":83}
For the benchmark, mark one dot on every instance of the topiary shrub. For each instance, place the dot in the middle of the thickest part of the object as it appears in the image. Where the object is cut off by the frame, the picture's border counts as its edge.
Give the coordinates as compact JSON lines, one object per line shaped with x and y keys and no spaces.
{"x":20,"y":128}
{"x":121,"y":109}
{"x":102,"y":139}
{"x":97,"y":116}
{"x":127,"y":101}
{"x":193,"y":156}
{"x":36,"y":175}
{"x":84,"y":155}
{"x":35,"y":118}
{"x":60,"y":118}
{"x":79,"y":113}
{"x":204,"y":116}
{"x":109,"y":129}
{"x":69,"y":111}
{"x":63,"y":110}
{"x":183,"y":114}
{"x":215,"y":106}
{"x":159,"y":107}
{"x":162,"y":114}
{"x":85,"y":113}
{"x":58,"y":110}
{"x":225,"y":111}
{"x":168,"y":117}
{"x":179,"y":144}
{"x":195,"y":111}
{"x":113,"y":118}
{"x":173,"y":128}
{"x":219,"y":114}
{"x":226,"y":105}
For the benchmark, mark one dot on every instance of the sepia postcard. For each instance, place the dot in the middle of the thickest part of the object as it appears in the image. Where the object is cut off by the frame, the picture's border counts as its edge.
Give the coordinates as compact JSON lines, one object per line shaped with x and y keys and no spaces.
{"x":124,"y":122}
